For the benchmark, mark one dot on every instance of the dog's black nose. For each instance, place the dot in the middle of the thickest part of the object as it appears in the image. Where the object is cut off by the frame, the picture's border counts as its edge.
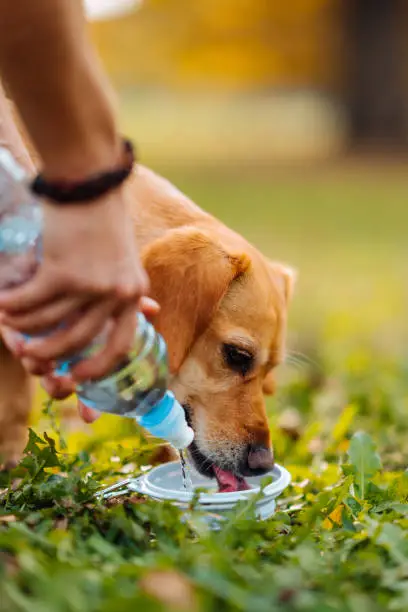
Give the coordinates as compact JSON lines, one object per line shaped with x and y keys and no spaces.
{"x":260,"y":460}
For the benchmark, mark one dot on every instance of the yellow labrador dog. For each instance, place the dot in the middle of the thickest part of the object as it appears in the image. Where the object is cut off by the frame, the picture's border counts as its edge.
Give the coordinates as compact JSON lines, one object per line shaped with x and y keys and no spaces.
{"x":223,"y":315}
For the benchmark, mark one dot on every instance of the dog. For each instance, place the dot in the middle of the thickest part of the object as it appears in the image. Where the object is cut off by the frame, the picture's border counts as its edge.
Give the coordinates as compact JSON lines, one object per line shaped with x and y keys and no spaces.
{"x":223,"y":315}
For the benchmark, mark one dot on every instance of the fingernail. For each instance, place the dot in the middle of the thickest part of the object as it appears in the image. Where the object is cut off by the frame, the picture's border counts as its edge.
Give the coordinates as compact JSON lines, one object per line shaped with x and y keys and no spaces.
{"x":29,"y":348}
{"x":13,"y":341}
{"x":87,"y":414}
{"x":21,"y":348}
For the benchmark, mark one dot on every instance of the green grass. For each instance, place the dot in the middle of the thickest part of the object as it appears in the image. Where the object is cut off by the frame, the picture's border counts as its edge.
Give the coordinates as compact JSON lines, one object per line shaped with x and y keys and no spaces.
{"x":339,"y":540}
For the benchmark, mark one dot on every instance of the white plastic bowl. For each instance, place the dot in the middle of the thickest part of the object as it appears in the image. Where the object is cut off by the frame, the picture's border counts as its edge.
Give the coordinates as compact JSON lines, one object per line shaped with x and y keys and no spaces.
{"x":165,"y":483}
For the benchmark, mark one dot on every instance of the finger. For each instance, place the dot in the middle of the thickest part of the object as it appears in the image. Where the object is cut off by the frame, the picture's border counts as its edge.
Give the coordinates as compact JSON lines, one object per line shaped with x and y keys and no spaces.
{"x":58,"y":387}
{"x":87,"y":414}
{"x":119,"y":342}
{"x":37,"y":367}
{"x":42,"y":288}
{"x":15,"y":343}
{"x":73,"y":338}
{"x":150,"y":308}
{"x":44,"y":318}
{"x":13,"y":340}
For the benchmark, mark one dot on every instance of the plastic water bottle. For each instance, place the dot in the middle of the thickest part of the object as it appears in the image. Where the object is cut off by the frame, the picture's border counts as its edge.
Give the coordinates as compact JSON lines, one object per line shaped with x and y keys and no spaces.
{"x":138,"y":386}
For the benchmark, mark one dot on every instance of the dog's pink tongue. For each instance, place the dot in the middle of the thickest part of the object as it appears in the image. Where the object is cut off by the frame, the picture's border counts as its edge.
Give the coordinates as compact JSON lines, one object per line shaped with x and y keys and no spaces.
{"x":228,"y":482}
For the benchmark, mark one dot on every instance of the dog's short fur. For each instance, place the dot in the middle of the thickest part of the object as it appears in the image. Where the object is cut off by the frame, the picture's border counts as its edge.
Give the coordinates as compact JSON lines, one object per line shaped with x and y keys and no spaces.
{"x":216,"y":291}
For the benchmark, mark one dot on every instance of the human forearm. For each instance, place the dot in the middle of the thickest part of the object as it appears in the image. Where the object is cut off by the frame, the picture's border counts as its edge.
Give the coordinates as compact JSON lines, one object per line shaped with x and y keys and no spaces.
{"x":90,"y":264}
{"x":56,"y":81}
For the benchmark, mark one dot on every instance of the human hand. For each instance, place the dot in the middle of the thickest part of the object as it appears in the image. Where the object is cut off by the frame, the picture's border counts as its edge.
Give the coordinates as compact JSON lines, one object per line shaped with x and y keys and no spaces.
{"x":90,"y":274}
{"x":61,"y":387}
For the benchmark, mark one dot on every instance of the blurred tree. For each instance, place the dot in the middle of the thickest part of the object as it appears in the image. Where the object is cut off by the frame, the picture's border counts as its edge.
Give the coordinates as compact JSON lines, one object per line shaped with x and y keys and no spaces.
{"x":354,"y":49}
{"x":376,"y":84}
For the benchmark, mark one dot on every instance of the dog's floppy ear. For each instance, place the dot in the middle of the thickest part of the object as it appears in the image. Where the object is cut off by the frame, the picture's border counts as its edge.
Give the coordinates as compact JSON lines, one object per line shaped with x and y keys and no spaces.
{"x":286,"y":278}
{"x":189,"y":274}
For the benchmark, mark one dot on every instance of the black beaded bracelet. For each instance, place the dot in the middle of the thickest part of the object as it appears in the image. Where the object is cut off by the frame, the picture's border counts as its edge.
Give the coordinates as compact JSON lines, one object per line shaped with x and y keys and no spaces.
{"x":71,"y":192}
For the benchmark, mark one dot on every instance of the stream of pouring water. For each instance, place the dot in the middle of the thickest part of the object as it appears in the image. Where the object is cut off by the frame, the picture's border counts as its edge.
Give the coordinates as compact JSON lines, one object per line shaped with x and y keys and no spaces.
{"x":185,"y":472}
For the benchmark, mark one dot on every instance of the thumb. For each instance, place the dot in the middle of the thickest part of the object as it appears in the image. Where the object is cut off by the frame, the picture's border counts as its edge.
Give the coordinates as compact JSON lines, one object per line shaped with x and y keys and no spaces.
{"x":87,"y":414}
{"x":149,"y":307}
{"x":58,"y":387}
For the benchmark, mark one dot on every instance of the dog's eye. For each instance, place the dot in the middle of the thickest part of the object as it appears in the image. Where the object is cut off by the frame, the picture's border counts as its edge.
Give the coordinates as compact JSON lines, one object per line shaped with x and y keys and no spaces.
{"x":238,"y":359}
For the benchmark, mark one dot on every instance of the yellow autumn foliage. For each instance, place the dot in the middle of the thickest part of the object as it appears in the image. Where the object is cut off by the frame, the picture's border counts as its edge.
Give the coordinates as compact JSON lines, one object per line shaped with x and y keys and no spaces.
{"x":227,"y":44}
{"x":334,"y":519}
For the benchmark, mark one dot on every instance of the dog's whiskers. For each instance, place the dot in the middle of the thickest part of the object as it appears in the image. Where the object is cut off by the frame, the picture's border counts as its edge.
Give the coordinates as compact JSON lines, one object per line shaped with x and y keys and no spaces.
{"x":197,"y":457}
{"x":301,"y":360}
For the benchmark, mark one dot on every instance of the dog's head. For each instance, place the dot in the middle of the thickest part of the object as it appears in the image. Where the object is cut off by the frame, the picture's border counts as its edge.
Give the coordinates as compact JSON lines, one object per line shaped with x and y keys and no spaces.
{"x":223,"y":315}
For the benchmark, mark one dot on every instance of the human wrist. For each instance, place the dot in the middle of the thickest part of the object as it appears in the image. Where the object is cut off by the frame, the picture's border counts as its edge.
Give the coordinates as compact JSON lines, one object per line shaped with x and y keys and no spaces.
{"x":92,"y":187}
{"x":88,"y":141}
{"x":83,"y":158}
